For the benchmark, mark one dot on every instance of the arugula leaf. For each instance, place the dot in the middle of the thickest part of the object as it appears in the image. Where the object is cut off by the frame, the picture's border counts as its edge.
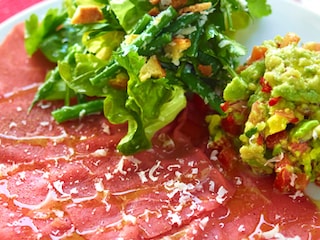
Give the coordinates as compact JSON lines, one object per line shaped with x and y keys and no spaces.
{"x":226,"y":51}
{"x":236,"y":14}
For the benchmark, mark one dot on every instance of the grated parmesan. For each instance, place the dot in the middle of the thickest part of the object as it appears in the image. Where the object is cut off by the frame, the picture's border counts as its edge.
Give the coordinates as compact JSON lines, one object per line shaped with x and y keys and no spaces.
{"x":99,"y":153}
{"x":153,"y":171}
{"x":221,"y":195}
{"x":203,"y":222}
{"x":214,"y":155}
{"x":142,"y":176}
{"x":174,"y":218}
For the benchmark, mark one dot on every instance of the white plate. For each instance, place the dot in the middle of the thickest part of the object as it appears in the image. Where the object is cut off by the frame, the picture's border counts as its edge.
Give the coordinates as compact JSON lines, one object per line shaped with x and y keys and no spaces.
{"x":40,"y":9}
{"x":286,"y":17}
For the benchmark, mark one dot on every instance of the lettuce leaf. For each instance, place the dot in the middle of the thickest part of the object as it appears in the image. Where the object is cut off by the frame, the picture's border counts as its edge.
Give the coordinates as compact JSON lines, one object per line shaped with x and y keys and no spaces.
{"x":146,"y":106}
{"x":129,"y":12}
{"x":78,"y":70}
{"x":259,"y":8}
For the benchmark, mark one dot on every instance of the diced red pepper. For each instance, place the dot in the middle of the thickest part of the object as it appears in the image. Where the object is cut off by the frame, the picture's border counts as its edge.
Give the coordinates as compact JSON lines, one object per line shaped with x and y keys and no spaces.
{"x":273,"y":101}
{"x":229,"y":125}
{"x":265,"y":85}
{"x":205,"y":70}
{"x":274,"y":139}
{"x":286,"y":180}
{"x":260,"y":140}
{"x":224,"y":106}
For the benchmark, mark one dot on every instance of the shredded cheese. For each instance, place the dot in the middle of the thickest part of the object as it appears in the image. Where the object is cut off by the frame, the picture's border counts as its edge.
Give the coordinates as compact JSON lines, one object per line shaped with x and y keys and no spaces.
{"x":221,"y":195}
{"x":153,"y":172}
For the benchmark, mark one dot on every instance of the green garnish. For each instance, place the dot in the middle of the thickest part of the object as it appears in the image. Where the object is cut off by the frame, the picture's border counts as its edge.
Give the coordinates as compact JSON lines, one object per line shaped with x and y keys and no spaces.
{"x":106,"y":63}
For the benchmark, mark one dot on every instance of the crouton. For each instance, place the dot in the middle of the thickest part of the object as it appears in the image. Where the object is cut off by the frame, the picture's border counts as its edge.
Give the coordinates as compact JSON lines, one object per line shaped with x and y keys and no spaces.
{"x":175,"y":49}
{"x":87,"y":14}
{"x":151,"y":69}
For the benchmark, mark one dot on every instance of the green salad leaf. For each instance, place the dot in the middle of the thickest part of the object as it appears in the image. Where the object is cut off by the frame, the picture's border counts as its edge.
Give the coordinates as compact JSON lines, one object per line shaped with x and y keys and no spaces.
{"x":136,"y":67}
{"x":37,"y":32}
{"x":129,"y":12}
{"x":259,"y":8}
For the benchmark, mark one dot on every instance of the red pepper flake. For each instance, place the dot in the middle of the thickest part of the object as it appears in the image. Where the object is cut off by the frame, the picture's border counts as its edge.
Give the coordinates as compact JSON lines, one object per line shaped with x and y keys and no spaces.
{"x":273,"y":101}
{"x":260,"y":140}
{"x":229,"y":125}
{"x":224,"y":106}
{"x":206,"y":70}
{"x":294,"y":120}
{"x":265,"y":85}
{"x":276,"y":138}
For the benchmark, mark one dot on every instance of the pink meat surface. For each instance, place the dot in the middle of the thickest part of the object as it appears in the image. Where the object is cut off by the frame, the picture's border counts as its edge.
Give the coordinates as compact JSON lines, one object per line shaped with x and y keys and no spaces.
{"x":68,"y":180}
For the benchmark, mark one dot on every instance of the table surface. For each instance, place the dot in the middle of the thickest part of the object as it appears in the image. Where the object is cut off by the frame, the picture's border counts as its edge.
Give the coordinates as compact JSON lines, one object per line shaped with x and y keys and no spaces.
{"x":11,"y":7}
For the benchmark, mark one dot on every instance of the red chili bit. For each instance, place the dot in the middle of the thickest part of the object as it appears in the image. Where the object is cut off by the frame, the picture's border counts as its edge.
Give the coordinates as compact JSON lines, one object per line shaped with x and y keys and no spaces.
{"x":265,"y":85}
{"x":276,"y":138}
{"x":294,"y":120}
{"x":273,"y":101}
{"x":205,"y":70}
{"x":224,"y":106}
{"x":229,"y":125}
{"x":260,"y":140}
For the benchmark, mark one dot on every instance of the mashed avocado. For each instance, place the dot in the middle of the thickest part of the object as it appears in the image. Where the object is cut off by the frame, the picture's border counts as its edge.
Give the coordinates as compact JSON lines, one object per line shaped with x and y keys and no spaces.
{"x":293,"y":73}
{"x":280,"y":85}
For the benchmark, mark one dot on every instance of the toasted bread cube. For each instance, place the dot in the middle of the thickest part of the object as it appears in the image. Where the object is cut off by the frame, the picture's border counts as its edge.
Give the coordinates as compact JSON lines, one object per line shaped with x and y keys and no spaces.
{"x":198,"y":7}
{"x":152,"y":69}
{"x":174,"y":50}
{"x":87,"y":14}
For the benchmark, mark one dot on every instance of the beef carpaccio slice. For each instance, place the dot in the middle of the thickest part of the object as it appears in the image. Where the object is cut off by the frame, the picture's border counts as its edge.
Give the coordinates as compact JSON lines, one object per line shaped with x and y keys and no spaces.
{"x":68,"y":181}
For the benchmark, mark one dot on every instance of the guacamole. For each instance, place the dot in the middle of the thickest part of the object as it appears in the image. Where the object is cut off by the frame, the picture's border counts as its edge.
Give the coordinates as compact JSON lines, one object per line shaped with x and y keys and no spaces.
{"x":280,"y":87}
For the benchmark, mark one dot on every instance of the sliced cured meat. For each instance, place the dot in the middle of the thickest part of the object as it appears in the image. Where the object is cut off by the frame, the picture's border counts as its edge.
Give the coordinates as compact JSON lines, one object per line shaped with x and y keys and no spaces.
{"x":99,"y":190}
{"x":16,"y":69}
{"x":69,"y":179}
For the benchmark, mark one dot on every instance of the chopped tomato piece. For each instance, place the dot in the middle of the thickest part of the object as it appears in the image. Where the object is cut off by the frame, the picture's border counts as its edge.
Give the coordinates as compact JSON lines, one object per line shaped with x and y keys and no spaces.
{"x":227,"y":156}
{"x":258,"y":52}
{"x":260,"y":139}
{"x":299,"y":147}
{"x":288,"y":39}
{"x":276,"y":138}
{"x":287,"y":114}
{"x":286,"y":180}
{"x":229,"y":125}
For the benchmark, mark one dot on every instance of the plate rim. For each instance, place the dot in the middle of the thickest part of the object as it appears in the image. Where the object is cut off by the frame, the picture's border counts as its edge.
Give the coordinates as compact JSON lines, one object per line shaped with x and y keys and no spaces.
{"x":38,"y":8}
